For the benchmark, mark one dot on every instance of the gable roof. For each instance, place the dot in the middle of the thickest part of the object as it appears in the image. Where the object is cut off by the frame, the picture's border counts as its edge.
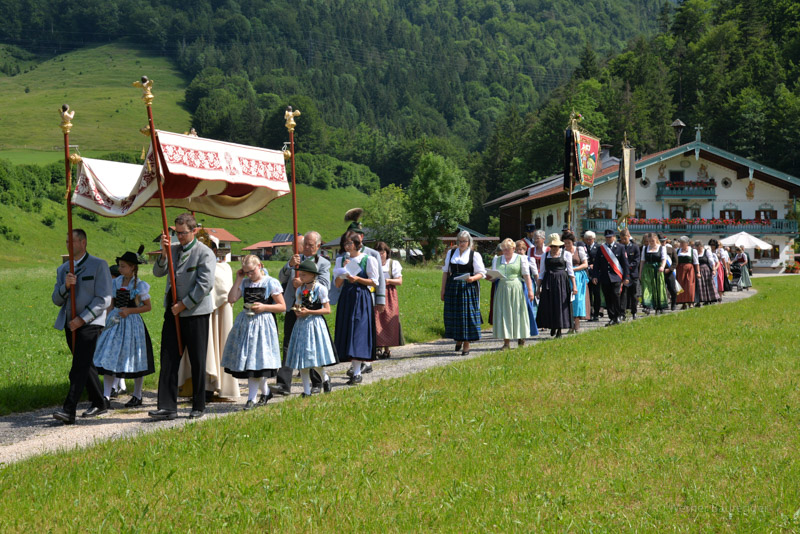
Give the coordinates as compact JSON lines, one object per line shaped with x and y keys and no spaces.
{"x":744,"y":169}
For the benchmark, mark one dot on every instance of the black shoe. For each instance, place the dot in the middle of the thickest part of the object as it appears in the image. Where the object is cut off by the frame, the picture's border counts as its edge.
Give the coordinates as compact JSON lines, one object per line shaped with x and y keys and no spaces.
{"x":594,"y":319}
{"x":623,"y":318}
{"x":366,"y":368}
{"x":672,"y":308}
{"x":304,"y":395}
{"x":114,"y":393}
{"x":249,"y":405}
{"x":94,"y":411}
{"x":316,"y":390}
{"x":133,"y":402}
{"x":264,"y":399}
{"x":279,"y":390}
{"x":458,"y":346}
{"x":354,"y":380}
{"x":558,"y":333}
{"x":196,"y":414}
{"x":326,"y":386}
{"x":465,"y":353}
{"x":633,"y":317}
{"x":163,"y":415}
{"x":552,"y":332}
{"x":64,"y":417}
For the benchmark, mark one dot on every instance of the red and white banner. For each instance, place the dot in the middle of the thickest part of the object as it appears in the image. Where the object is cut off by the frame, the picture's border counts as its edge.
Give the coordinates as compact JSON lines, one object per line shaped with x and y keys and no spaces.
{"x":212,"y":177}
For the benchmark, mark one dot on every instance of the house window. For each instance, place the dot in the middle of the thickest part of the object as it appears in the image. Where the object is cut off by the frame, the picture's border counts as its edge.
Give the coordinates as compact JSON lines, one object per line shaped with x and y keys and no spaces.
{"x":602,"y":213}
{"x":640,"y":213}
{"x":731,"y":214}
{"x":538,"y":222}
{"x":677,"y":211}
{"x":772,"y":254}
{"x":766,"y":215}
{"x":550,"y":220}
{"x":675,"y":176}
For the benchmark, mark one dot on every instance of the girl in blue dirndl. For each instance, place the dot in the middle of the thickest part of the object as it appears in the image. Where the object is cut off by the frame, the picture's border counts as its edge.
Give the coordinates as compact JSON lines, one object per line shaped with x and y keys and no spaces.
{"x":124,"y":349}
{"x":355,"y":338}
{"x":310,"y":346}
{"x":252,"y":350}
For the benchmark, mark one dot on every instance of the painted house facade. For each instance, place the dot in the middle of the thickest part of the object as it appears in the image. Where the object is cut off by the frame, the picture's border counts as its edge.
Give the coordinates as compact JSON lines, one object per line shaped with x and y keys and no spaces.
{"x":695,"y":189}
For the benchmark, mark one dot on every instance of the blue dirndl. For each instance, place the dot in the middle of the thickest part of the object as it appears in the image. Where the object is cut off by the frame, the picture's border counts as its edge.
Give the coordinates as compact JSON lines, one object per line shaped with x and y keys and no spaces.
{"x":252,"y":349}
{"x":462,"y":310}
{"x":579,"y":304}
{"x":310,"y":344}
{"x":124,"y":348}
{"x":355,"y":322}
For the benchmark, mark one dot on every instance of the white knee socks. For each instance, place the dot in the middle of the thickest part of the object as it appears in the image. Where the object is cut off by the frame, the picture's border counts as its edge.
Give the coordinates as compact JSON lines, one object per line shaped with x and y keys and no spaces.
{"x":137,"y":387}
{"x":305,"y":375}
{"x":356,"y":367}
{"x":252,"y":384}
{"x":108,"y":383}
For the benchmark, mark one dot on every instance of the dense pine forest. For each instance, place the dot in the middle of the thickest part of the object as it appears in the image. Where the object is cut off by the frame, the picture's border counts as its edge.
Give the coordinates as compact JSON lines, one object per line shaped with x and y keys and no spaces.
{"x":486,"y":84}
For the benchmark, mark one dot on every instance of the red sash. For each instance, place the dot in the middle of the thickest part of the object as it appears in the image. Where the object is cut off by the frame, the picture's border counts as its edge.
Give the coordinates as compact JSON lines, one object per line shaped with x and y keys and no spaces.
{"x":611,"y":259}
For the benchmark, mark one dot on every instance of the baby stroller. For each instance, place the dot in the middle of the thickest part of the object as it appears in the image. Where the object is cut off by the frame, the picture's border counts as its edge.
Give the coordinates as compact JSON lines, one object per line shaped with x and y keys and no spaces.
{"x":736,"y":273}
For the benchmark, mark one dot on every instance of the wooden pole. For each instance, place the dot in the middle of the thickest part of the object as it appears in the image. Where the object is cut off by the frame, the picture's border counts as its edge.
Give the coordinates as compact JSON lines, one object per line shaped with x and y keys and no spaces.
{"x":146,"y":86}
{"x":290,"y":125}
{"x":66,"y":126}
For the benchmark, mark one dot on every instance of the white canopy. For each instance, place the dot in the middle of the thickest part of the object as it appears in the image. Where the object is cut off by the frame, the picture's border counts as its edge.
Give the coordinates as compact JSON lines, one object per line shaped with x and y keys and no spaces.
{"x":745,"y":240}
{"x":212,"y":177}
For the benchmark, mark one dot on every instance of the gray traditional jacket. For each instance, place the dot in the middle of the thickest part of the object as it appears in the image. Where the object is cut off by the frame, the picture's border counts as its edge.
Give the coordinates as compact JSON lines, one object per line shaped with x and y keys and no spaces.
{"x":92,"y":292}
{"x":194,"y":277}
{"x":286,"y":274}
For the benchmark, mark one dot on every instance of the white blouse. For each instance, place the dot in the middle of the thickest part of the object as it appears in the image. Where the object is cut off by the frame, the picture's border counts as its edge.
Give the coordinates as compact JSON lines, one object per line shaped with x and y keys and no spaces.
{"x":397,"y":269}
{"x":372,"y":265}
{"x":461,"y":258}
{"x":691,"y":252}
{"x":567,"y":258}
{"x":525,"y":269}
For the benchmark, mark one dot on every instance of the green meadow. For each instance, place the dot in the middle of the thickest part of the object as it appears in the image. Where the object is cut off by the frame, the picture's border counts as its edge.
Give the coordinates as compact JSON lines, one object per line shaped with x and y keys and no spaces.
{"x":687,"y":423}
{"x":97,"y":84}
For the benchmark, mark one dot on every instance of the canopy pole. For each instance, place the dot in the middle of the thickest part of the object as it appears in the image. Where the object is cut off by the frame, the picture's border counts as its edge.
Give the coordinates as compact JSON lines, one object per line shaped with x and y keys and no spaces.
{"x":290,"y":125}
{"x":66,"y":126}
{"x":147,"y":86}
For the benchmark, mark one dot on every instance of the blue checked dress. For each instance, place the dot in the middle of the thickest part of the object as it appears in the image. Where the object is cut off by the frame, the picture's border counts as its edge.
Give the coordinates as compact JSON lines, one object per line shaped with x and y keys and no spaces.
{"x":310,"y":344}
{"x":252,"y":349}
{"x":124,"y":348}
{"x":462,"y":304}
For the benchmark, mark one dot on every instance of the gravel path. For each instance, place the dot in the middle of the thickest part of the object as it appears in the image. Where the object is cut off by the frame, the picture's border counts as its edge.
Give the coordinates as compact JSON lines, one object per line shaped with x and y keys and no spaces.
{"x":28,"y":434}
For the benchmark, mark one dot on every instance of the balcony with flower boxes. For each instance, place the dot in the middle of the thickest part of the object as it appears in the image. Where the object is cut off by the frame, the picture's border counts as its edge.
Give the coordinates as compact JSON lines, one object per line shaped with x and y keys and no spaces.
{"x":706,"y":190}
{"x":697,"y":226}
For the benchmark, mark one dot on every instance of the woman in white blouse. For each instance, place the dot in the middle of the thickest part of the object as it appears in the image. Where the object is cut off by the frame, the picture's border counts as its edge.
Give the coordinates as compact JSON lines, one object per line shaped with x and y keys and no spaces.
{"x":463,"y":267}
{"x":557,"y":285}
{"x":580,"y":267}
{"x":510,"y":307}
{"x":356,"y":274}
{"x":654,"y":261}
{"x":387,"y":322}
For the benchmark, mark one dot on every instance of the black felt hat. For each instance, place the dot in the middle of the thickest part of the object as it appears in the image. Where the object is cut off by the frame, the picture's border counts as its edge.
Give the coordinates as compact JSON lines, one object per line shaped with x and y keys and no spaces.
{"x":530,"y":227}
{"x":129,"y":257}
{"x":608,"y":232}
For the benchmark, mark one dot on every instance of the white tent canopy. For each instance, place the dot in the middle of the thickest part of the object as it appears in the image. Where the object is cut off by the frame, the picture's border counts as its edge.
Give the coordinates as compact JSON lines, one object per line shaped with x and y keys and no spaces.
{"x":212,"y":177}
{"x":745,"y":240}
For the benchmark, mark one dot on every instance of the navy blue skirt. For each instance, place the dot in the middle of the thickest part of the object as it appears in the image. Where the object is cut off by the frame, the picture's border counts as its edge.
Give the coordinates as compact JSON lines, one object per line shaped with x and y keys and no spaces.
{"x":355,"y":324}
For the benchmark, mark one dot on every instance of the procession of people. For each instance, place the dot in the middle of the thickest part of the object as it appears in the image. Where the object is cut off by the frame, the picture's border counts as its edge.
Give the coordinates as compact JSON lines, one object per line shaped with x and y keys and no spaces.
{"x":544,"y":281}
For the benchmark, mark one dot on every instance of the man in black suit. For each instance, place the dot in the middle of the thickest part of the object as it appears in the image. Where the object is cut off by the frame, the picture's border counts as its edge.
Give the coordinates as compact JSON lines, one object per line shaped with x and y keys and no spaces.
{"x":593,"y":289}
{"x":611,"y":271}
{"x":628,"y":299}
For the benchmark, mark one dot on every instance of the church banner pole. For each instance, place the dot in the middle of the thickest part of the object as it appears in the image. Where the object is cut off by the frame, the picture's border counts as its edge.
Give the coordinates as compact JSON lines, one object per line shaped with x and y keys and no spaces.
{"x":290,"y":125}
{"x":66,"y":126}
{"x":147,"y":95}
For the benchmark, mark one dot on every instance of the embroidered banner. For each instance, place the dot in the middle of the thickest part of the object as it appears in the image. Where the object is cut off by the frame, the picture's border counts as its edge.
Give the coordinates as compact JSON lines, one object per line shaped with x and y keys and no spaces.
{"x":212,"y":177}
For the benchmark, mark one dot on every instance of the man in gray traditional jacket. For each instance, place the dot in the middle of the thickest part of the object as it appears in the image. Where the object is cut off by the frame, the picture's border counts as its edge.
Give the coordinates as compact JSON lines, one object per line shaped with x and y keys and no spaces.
{"x":92,"y":282}
{"x":194,"y":278}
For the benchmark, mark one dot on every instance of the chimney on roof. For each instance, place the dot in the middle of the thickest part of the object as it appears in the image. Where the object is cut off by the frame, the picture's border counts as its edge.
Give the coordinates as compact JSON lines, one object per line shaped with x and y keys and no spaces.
{"x":605,"y":152}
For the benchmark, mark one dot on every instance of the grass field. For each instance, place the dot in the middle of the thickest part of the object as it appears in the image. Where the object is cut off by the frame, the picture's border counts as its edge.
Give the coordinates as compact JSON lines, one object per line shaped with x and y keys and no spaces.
{"x":685,"y":423}
{"x":96,"y":83}
{"x":39,"y":244}
{"x":34,"y":356}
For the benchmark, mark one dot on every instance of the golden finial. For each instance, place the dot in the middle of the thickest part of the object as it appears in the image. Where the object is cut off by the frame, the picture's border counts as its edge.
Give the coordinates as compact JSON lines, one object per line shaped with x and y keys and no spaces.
{"x":145,"y":131}
{"x":66,"y":118}
{"x":289,"y":116}
{"x":147,"y":85}
{"x":144,"y":154}
{"x":75,"y":159}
